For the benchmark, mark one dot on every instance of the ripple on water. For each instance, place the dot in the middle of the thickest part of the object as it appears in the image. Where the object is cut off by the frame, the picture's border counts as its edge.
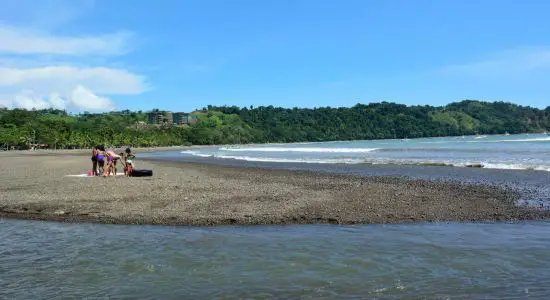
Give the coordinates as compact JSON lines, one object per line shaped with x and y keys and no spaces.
{"x":45,"y":260}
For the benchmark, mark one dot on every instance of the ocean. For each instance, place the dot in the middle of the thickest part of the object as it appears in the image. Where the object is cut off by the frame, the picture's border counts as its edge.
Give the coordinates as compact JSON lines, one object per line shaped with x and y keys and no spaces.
{"x":525,"y":151}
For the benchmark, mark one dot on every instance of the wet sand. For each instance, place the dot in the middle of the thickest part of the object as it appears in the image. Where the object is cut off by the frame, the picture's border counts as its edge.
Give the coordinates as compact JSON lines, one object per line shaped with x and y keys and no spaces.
{"x":33,"y":185}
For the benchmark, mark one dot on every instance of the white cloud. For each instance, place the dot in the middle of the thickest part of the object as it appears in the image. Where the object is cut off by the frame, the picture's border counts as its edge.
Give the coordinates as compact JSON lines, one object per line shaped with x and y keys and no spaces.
{"x":67,"y":87}
{"x":57,"y":102}
{"x":41,"y":69}
{"x":79,"y":99}
{"x":4,"y":103}
{"x":64,"y":78}
{"x":512,"y":62}
{"x":44,"y":14}
{"x":28,"y":100}
{"x":83,"y":99}
{"x":25,"y":41}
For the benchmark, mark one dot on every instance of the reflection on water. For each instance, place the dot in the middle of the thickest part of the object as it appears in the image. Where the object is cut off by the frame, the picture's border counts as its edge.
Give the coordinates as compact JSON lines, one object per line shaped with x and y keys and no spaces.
{"x":43,"y":260}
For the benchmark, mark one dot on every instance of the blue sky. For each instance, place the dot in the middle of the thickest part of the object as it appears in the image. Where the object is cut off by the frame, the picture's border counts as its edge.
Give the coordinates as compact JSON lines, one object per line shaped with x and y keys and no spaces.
{"x":183,"y":55}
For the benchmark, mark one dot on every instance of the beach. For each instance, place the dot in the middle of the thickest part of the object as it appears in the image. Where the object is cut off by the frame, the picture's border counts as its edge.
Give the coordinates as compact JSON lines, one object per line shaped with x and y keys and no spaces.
{"x":35,"y":185}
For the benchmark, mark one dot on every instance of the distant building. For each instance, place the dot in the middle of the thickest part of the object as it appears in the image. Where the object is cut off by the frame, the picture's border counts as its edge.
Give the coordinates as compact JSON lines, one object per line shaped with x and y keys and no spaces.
{"x":160,"y":117}
{"x":157,"y":117}
{"x":181,"y":118}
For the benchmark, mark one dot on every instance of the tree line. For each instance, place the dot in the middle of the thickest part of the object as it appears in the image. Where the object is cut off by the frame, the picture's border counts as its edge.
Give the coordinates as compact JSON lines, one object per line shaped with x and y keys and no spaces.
{"x":389,"y":120}
{"x":230,"y":124}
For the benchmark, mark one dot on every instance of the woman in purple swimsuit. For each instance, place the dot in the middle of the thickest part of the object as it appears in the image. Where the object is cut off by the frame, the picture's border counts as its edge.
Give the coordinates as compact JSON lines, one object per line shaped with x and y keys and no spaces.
{"x":101,"y":159}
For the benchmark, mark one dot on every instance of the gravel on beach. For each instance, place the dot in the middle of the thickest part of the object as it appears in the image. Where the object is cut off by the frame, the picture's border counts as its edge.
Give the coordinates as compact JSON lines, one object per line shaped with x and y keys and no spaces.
{"x":34,"y":185}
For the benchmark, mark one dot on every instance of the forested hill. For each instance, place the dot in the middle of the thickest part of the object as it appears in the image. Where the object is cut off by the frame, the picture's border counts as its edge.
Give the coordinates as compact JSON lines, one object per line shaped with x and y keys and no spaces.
{"x":226,"y":125}
{"x":390,"y":120}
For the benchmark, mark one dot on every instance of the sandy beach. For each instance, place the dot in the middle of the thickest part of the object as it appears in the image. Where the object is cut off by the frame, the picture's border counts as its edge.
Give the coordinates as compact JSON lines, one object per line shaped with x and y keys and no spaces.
{"x":34,"y":185}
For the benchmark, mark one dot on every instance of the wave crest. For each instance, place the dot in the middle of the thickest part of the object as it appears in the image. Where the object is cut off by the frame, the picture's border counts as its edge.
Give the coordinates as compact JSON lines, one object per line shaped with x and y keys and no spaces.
{"x":376,"y":161}
{"x":301,"y":149}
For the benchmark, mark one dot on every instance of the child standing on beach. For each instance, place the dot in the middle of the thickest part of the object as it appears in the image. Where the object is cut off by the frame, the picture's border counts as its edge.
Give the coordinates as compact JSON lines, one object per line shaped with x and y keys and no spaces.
{"x":129,"y":162}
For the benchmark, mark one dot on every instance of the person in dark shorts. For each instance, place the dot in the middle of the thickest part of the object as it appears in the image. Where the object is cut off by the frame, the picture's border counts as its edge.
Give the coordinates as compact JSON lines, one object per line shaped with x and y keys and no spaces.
{"x":94,"y":160}
{"x":101,"y":156}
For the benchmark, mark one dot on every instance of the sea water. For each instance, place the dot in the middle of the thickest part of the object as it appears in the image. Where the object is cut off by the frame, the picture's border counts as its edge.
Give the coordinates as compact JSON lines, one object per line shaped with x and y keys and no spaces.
{"x":48,"y":260}
{"x":519,"y":162}
{"x":523,"y":151}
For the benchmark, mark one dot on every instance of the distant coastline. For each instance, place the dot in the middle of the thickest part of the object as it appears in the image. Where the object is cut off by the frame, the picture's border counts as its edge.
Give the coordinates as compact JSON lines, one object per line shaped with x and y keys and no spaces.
{"x":228,"y":125}
{"x":179,"y":146}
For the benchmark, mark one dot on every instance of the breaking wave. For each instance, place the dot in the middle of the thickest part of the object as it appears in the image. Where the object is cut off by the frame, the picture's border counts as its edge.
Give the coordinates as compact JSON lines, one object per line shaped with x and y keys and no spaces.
{"x":279,"y":160}
{"x":376,"y":161}
{"x":301,"y":149}
{"x":542,"y":139}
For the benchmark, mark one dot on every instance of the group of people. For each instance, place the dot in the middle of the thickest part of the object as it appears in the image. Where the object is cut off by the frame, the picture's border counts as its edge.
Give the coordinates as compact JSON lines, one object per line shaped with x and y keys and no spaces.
{"x":104,"y":162}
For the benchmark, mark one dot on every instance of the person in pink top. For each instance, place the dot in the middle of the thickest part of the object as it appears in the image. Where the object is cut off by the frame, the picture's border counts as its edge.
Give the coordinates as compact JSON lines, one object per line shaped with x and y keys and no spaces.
{"x":112,"y":158}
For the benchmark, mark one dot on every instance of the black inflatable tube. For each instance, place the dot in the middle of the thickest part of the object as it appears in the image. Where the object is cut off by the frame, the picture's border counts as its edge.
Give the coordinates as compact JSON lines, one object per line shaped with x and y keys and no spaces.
{"x":141,"y":173}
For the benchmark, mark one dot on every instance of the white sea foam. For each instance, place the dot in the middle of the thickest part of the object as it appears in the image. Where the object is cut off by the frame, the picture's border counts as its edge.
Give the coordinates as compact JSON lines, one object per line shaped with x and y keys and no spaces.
{"x":501,"y":166}
{"x":511,"y":141}
{"x":363,"y":160}
{"x":504,"y":166}
{"x":483,"y":140}
{"x":301,"y":149}
{"x":280,"y":160}
{"x":292,"y":160}
{"x":439,"y":142}
{"x":541,"y":139}
{"x":196,"y":153}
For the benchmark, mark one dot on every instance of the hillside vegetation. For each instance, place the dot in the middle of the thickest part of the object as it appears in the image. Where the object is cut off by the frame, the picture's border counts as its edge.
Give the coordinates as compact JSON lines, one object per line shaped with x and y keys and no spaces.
{"x":229,"y":125}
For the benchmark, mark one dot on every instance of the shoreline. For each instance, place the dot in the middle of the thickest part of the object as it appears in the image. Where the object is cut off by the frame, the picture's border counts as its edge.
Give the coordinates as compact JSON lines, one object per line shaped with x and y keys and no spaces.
{"x":86,"y":152}
{"x":194,"y":194}
{"x":84,"y":219}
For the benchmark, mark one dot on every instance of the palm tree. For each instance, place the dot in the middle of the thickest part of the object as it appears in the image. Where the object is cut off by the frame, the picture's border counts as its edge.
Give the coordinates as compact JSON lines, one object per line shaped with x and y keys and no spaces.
{"x":27,"y":140}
